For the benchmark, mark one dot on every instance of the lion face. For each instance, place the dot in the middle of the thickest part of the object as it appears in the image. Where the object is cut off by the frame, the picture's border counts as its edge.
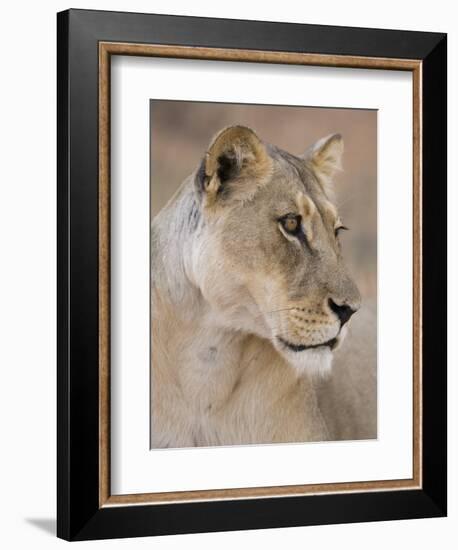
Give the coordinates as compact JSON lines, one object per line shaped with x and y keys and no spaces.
{"x":267,"y":256}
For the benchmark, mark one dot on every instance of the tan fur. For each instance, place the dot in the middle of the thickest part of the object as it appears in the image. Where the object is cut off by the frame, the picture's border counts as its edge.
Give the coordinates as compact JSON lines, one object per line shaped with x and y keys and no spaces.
{"x":230,"y":286}
{"x":326,"y":158}
{"x":249,"y":154}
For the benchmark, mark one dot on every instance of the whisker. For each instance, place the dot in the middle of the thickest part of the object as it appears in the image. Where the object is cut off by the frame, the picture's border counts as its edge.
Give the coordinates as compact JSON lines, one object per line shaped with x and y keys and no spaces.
{"x":272,"y":312}
{"x":278,"y":310}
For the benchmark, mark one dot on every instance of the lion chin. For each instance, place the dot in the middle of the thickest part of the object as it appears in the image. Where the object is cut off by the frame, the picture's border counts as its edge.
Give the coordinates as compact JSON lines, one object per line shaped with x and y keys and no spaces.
{"x":315,"y":361}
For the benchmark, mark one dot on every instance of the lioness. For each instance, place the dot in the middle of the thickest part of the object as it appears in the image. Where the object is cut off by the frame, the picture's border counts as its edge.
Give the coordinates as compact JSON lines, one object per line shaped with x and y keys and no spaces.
{"x":250,"y":295}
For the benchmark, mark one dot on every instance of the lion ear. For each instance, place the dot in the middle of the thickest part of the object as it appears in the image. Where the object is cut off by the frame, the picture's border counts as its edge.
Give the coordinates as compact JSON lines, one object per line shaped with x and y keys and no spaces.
{"x":235,"y":165}
{"x":325,"y":159}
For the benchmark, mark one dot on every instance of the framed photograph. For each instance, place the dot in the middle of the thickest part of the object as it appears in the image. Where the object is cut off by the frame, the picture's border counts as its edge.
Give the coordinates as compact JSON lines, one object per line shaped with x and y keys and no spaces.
{"x":251,"y":274}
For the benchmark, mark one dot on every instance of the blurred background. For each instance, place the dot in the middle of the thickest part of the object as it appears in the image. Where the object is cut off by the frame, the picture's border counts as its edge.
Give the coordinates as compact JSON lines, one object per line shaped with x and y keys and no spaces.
{"x":182,"y":130}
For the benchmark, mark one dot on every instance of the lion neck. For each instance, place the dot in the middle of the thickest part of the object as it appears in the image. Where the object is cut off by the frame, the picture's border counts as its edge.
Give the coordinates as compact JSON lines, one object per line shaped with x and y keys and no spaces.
{"x":185,"y":332}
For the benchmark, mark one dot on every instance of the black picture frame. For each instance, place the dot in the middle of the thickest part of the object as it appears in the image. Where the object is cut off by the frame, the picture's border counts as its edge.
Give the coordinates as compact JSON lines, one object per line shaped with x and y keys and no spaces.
{"x":79,"y":514}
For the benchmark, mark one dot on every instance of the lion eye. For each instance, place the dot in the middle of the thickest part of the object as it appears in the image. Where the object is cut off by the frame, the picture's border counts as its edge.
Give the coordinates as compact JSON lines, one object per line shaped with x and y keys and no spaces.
{"x":337,"y":230}
{"x":291,"y":224}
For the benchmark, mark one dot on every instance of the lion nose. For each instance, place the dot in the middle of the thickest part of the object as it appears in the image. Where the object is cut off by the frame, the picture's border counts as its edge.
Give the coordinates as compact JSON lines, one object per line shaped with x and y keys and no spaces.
{"x":343,"y":311}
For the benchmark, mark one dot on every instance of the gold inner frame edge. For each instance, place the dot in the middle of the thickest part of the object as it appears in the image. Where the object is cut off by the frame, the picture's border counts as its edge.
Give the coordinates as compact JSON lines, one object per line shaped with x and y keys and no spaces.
{"x":106,"y":50}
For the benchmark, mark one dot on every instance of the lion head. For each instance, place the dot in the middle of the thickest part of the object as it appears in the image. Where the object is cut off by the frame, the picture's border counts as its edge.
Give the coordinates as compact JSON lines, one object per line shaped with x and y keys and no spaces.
{"x":266,"y":254}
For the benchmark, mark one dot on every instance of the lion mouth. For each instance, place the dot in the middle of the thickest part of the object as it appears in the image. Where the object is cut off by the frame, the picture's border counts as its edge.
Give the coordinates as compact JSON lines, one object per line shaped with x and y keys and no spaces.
{"x":301,"y":347}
